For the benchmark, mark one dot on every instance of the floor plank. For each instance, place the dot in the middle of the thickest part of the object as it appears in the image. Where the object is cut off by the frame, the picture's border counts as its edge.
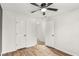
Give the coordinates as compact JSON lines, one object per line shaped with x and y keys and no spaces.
{"x":38,"y":50}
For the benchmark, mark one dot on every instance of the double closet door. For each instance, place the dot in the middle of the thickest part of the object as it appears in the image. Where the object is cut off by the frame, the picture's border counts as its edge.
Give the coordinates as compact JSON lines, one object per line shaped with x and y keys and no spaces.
{"x":25,"y":33}
{"x":50,"y":34}
{"x":20,"y":33}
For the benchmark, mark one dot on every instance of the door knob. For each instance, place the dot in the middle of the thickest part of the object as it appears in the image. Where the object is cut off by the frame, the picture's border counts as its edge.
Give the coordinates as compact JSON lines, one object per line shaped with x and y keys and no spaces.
{"x":52,"y":34}
{"x":25,"y":35}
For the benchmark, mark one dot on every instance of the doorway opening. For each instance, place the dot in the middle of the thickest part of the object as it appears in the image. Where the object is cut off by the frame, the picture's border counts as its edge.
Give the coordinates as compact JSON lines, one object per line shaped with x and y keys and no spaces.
{"x":40,"y":32}
{"x":39,"y":42}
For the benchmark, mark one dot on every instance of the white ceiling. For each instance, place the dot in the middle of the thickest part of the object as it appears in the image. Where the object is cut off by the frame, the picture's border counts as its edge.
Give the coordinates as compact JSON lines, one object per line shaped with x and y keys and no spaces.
{"x":26,"y":8}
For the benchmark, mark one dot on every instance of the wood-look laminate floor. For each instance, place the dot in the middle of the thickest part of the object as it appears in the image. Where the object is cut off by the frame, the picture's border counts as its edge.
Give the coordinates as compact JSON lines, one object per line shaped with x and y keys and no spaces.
{"x":38,"y":50}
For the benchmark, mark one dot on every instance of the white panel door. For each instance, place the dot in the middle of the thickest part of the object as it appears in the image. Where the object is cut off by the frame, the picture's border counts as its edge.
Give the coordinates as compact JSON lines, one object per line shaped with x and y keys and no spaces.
{"x":20,"y":33}
{"x":49,"y":37}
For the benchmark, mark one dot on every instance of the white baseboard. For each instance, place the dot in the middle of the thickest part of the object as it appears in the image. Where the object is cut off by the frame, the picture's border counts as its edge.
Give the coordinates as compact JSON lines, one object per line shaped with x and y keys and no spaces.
{"x":66,"y":51}
{"x":3,"y":52}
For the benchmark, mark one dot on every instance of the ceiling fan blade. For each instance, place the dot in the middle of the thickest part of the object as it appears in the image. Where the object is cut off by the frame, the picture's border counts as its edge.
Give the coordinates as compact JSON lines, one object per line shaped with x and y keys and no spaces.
{"x":35,"y":4}
{"x":44,"y":13}
{"x":35,"y":11}
{"x":52,"y":9}
{"x":49,"y":4}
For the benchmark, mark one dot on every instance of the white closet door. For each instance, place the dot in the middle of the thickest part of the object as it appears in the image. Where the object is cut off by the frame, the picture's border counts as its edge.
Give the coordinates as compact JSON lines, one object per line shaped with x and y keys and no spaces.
{"x":20,"y":33}
{"x":49,"y":39}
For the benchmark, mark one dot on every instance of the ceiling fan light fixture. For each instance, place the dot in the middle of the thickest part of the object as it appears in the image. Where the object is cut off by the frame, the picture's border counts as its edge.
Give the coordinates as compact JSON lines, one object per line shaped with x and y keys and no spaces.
{"x":43,"y":9}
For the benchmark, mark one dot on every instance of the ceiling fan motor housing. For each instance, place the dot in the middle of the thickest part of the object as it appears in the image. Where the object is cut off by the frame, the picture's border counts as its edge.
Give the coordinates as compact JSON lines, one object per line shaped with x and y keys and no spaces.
{"x":43,"y":5}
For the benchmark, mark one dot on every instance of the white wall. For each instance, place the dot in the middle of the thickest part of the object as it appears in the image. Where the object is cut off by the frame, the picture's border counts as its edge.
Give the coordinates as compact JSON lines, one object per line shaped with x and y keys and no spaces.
{"x":8,"y":33}
{"x":67,"y":32}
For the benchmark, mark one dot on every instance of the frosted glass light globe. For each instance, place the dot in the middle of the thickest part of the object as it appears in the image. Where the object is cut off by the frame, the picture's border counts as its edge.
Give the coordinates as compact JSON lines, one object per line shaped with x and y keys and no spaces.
{"x":43,"y":10}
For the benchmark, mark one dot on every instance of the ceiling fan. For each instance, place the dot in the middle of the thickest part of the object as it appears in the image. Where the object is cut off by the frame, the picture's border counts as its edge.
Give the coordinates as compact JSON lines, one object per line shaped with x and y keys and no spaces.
{"x":43,"y":7}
